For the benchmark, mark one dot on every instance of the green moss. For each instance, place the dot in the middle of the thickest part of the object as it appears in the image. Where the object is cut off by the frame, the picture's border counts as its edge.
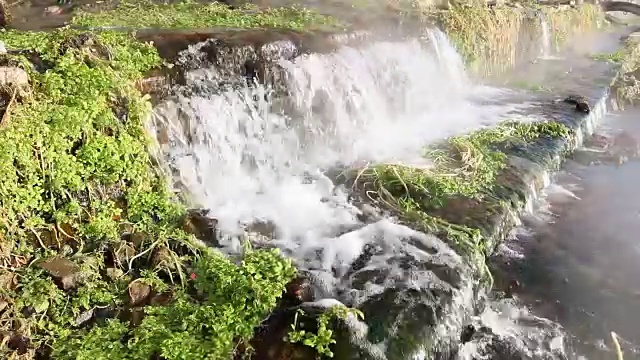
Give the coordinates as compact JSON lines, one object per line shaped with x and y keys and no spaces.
{"x":189,"y":14}
{"x":465,"y":169}
{"x":78,"y":183}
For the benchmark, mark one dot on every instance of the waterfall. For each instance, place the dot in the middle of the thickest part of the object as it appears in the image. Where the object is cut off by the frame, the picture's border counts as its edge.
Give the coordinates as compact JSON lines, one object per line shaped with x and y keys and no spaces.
{"x":252,"y":157}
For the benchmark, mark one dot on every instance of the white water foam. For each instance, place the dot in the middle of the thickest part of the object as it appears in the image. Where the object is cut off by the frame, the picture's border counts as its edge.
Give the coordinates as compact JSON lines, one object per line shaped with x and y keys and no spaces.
{"x":235,"y":155}
{"x":382,"y":103}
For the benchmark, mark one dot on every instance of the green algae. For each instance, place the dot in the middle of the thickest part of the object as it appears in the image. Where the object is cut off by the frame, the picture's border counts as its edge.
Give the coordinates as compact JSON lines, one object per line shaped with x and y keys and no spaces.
{"x":189,"y":14}
{"x":78,"y":183}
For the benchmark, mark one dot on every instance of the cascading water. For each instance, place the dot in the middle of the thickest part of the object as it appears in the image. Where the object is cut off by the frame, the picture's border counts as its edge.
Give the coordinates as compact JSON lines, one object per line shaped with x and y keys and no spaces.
{"x":252,"y":158}
{"x":545,"y":38}
{"x":238,"y":156}
{"x":545,"y":41}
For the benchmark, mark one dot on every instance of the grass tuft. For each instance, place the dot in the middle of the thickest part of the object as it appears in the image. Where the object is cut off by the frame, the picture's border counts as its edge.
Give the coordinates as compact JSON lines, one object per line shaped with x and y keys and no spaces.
{"x":465,"y":167}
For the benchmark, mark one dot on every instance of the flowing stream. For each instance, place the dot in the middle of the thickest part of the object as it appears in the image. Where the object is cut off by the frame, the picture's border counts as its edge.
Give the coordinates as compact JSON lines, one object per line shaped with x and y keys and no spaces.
{"x":576,"y":256}
{"x":259,"y":164}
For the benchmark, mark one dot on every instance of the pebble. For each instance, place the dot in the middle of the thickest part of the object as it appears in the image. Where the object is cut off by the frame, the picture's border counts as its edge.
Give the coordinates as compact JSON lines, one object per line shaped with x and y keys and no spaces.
{"x":3,"y":49}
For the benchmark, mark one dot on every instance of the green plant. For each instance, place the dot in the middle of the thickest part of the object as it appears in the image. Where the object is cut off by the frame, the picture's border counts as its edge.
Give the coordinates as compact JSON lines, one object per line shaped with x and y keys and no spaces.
{"x":78,"y":183}
{"x":229,"y":302}
{"x":465,"y":168}
{"x":322,"y":339}
{"x":615,"y":57}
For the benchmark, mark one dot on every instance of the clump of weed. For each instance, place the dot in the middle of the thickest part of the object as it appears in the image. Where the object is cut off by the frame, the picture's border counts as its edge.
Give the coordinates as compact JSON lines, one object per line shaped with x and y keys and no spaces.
{"x":614,"y":57}
{"x":321,"y":338}
{"x":464,"y":167}
{"x":487,"y":38}
{"x":190,"y":14}
{"x":567,"y":22}
{"x":78,"y":185}
{"x":491,"y":39}
{"x":626,"y":86}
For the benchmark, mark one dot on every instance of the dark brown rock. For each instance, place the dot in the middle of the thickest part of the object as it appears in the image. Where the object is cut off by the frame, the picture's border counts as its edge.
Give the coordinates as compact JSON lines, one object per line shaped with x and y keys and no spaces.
{"x":161,"y":299}
{"x":136,"y":316}
{"x":139,"y":293}
{"x":581,"y":103}
{"x":65,"y":272}
{"x":299,"y":290}
{"x":18,"y":343}
{"x":270,"y":340}
{"x":198,"y":223}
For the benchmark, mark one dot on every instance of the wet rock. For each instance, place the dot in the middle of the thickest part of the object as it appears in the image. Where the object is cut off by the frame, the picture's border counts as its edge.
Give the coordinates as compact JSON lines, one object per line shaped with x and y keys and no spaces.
{"x":625,"y":144}
{"x":404,"y":282}
{"x":139,"y":293}
{"x":161,"y":299}
{"x":588,"y":157}
{"x":597,"y":141}
{"x":65,"y":272}
{"x":156,"y":85}
{"x":270,"y":340}
{"x":369,"y":213}
{"x":581,"y":103}
{"x":467,"y":333}
{"x":511,"y":288}
{"x":264,"y":228}
{"x":608,"y":149}
{"x":203,"y":227}
{"x":299,"y":290}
